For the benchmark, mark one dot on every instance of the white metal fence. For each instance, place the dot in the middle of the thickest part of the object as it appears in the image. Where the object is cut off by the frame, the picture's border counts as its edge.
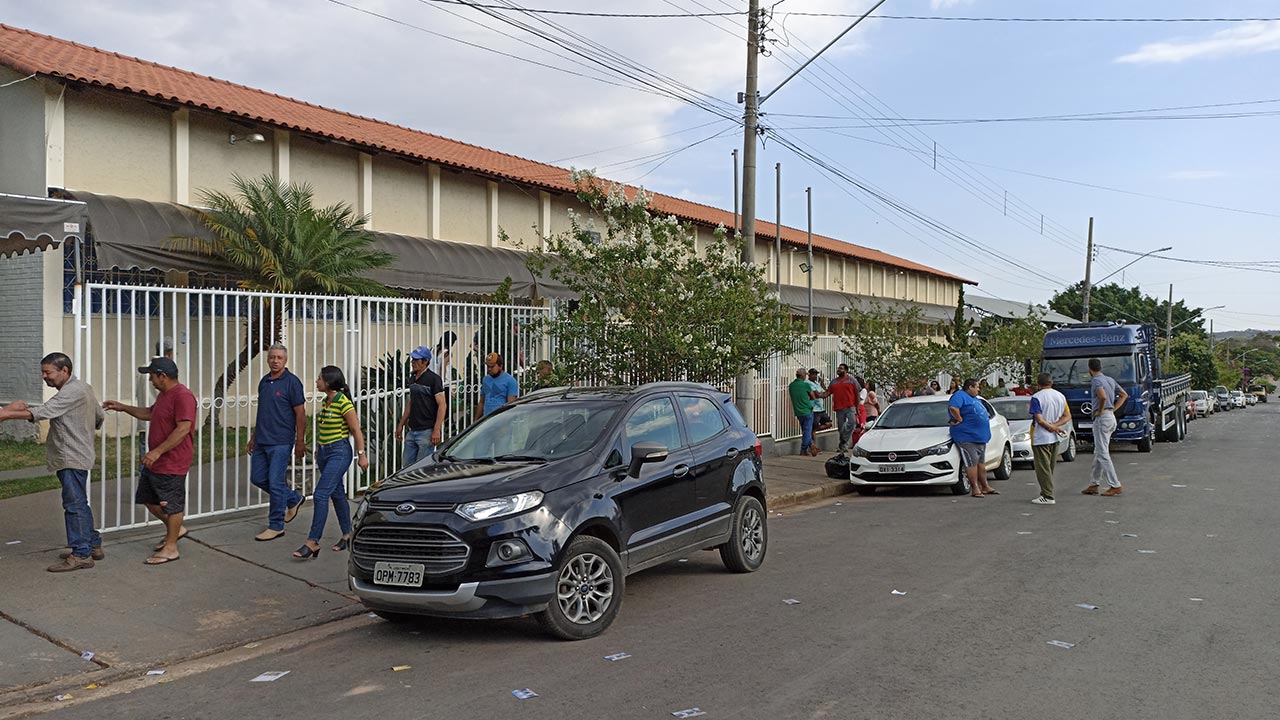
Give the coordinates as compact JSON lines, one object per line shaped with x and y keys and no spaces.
{"x":773,"y":411}
{"x":220,"y":339}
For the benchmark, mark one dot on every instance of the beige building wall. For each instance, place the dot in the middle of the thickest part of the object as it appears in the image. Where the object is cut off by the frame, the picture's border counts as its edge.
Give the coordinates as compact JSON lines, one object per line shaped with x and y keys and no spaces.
{"x":463,"y":207}
{"x":400,"y":201}
{"x":518,"y":216}
{"x":117,"y":146}
{"x":213,"y":159}
{"x":332,"y":170}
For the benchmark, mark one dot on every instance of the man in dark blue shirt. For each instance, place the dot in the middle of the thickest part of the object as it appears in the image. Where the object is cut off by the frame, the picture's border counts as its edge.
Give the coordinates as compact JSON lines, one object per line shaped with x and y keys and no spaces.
{"x":971,"y":431}
{"x":280,"y":426}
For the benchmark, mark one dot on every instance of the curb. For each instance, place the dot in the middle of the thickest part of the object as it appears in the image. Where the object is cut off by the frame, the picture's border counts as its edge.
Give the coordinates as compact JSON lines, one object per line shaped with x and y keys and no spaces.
{"x":830,"y":488}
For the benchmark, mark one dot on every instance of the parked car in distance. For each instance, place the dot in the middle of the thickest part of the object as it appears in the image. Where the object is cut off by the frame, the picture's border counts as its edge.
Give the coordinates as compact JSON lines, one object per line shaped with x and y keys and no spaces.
{"x":1260,"y":391}
{"x":1225,"y":402}
{"x":545,"y":506}
{"x":910,"y":445}
{"x":1202,"y":404}
{"x":1250,"y":399}
{"x":1237,"y":399}
{"x":1017,"y":410}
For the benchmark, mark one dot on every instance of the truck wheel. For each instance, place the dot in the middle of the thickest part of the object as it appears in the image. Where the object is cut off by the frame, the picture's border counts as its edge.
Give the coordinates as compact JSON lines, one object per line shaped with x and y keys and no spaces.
{"x":1144,"y":445}
{"x":1179,"y":429}
{"x":589,"y":587}
{"x":749,"y":538}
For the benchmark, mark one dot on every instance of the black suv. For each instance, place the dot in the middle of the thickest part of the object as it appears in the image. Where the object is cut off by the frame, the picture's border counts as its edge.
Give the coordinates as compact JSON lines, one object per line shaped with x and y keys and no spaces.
{"x":546,"y":505}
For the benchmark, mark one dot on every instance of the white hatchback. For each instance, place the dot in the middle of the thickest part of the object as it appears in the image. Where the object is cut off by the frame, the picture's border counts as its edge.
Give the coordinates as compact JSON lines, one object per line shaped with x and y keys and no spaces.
{"x":910,"y":444}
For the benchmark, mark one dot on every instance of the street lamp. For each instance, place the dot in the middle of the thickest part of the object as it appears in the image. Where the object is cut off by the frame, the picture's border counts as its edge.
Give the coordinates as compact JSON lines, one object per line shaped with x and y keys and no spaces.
{"x":1168,"y":341}
{"x":1122,"y":267}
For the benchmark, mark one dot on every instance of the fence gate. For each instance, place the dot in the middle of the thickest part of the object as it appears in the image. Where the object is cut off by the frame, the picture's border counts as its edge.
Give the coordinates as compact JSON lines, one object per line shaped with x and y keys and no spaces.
{"x":219,"y":341}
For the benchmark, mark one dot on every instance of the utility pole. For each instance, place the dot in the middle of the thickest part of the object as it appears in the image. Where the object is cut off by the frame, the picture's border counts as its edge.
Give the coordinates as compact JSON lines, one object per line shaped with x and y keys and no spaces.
{"x":1088,"y":270}
{"x":809,"y":260}
{"x":744,"y":386}
{"x":1168,"y":342}
{"x":737,"y":226}
{"x":1211,"y":337}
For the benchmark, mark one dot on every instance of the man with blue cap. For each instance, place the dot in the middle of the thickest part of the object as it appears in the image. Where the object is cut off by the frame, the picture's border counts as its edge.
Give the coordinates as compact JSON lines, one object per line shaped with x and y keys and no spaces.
{"x":424,"y":413}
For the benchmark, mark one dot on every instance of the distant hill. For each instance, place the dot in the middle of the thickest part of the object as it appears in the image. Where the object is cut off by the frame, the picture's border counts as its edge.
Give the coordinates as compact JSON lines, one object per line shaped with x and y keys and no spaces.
{"x":1241,"y":334}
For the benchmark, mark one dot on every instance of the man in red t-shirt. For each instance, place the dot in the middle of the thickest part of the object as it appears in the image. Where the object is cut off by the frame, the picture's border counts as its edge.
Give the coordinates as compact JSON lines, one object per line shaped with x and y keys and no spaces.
{"x":845,"y":397}
{"x":162,"y":484}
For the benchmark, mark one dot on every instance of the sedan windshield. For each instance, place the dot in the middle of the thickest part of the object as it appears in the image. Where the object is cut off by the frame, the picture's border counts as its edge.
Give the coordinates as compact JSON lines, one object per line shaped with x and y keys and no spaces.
{"x":914,"y":415}
{"x":1074,"y":372}
{"x":1014,"y":408}
{"x":535,"y":431}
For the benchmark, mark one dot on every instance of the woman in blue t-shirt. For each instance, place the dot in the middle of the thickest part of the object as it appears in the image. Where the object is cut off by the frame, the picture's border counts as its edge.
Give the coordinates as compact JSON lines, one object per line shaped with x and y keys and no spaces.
{"x":971,"y":431}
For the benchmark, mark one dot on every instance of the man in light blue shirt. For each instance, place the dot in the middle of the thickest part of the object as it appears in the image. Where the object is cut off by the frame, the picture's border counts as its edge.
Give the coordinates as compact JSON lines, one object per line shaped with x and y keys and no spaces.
{"x":497,"y":387}
{"x":1108,"y":397}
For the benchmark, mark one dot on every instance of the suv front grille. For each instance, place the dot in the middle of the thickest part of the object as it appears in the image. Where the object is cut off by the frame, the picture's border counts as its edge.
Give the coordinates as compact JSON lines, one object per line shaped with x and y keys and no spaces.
{"x":390,"y":507}
{"x":440,"y":551}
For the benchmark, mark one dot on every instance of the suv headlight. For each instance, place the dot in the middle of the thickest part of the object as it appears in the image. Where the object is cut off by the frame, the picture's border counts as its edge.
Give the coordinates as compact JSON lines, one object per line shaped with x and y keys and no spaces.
{"x":859,"y":451}
{"x":499,"y":507}
{"x":939,"y":449}
{"x":1021,"y":437}
{"x":361,"y":509}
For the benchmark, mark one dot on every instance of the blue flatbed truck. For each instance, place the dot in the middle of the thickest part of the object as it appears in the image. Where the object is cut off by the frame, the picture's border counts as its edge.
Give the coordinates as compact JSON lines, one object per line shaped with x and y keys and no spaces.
{"x":1156,"y":409}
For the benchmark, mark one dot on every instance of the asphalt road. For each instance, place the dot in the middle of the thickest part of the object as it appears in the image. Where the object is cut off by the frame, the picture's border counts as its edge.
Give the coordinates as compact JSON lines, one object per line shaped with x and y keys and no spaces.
{"x":1186,"y":630}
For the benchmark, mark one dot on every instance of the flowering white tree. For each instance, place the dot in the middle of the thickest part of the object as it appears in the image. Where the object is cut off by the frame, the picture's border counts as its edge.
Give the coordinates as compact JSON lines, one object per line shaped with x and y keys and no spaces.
{"x":649,"y":306}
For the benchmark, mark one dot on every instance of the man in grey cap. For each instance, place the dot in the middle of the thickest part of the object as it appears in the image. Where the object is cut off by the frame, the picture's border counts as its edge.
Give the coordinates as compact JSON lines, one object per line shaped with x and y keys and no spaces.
{"x":73,"y":416}
{"x":424,"y":413}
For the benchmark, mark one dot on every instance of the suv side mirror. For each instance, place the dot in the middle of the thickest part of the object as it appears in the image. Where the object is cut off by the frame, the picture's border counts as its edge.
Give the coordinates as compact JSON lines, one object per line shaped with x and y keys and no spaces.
{"x":645,"y":452}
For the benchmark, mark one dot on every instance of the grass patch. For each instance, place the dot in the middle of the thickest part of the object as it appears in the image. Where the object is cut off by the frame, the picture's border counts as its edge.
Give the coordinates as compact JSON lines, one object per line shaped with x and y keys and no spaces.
{"x":26,"y":486}
{"x":20,"y":454}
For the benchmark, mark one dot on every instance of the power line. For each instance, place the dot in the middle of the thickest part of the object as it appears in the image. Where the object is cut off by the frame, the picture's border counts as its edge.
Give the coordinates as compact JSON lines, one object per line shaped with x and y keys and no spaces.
{"x":956,"y":18}
{"x":585,"y":13}
{"x":1204,"y":106}
{"x":1266,"y":266}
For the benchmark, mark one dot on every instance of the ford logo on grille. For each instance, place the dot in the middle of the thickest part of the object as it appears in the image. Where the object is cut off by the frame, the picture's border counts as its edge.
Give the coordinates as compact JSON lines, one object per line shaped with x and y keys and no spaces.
{"x":893,"y":456}
{"x":406,"y":509}
{"x":1086,"y":408}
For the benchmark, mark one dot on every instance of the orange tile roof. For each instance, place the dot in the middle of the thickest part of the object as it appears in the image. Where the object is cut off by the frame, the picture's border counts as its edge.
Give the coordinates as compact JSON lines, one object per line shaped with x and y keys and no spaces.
{"x":31,"y":53}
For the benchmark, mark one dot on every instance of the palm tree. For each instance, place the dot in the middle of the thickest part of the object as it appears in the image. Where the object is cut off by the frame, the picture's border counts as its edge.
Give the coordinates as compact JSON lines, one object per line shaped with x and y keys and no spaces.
{"x":270,"y":236}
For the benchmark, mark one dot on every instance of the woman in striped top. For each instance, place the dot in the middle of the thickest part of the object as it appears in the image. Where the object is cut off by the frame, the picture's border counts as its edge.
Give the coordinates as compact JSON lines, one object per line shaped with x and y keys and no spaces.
{"x":337,"y":422}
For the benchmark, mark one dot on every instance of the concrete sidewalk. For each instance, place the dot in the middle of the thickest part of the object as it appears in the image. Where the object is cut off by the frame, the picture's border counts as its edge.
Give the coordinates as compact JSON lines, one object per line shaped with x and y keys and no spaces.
{"x":226,"y":591}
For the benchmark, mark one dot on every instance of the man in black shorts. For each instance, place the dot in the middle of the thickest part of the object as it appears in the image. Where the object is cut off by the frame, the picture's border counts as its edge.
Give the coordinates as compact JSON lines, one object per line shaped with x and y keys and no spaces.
{"x":162,"y":484}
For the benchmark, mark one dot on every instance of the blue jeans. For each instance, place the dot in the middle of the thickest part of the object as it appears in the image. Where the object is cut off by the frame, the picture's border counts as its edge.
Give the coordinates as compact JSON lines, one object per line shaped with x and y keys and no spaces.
{"x":333,"y":459}
{"x":417,"y":446}
{"x":81,"y":537}
{"x":806,"y":431}
{"x":268,"y":472}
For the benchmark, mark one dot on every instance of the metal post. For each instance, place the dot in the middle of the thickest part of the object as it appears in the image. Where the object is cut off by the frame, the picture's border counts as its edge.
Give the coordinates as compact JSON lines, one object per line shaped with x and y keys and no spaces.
{"x":808,"y":192}
{"x":744,"y":384}
{"x":777,"y":240}
{"x":1210,"y":337}
{"x":737,"y":224}
{"x":1088,"y":269}
{"x":1168,"y":341}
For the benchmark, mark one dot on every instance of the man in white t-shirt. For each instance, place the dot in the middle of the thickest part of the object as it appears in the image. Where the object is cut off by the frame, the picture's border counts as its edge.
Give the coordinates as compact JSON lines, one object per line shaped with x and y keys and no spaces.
{"x":1049,"y":414}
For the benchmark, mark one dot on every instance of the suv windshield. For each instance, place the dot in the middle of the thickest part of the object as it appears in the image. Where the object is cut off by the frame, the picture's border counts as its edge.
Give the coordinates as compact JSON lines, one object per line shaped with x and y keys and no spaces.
{"x":535,"y":431}
{"x":914,"y":415}
{"x":1074,"y":372}
{"x":1019,"y":409}
{"x":1199,"y":395}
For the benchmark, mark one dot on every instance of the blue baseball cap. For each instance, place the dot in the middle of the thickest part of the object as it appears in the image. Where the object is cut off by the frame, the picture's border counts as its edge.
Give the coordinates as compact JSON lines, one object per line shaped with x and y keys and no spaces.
{"x":422,"y":352}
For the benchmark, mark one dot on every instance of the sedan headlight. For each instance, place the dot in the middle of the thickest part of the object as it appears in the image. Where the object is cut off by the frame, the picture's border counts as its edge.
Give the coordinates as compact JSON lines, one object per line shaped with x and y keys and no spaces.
{"x":859,"y":451}
{"x":939,"y":449}
{"x":499,"y":507}
{"x":1021,"y":437}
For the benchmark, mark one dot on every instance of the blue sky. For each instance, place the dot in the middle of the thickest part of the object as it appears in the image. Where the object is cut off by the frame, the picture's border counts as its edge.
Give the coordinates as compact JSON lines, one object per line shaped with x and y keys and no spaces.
{"x":335,"y":56}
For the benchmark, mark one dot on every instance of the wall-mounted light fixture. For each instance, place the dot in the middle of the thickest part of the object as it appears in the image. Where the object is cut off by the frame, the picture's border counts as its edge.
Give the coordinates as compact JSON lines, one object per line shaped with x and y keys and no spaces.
{"x":249,"y":138}
{"x":805,"y":267}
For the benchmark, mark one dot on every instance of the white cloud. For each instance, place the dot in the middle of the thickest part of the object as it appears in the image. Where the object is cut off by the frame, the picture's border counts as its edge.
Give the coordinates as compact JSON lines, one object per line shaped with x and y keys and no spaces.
{"x":944,"y":4}
{"x":1247,"y":39}
{"x":1194,"y":175}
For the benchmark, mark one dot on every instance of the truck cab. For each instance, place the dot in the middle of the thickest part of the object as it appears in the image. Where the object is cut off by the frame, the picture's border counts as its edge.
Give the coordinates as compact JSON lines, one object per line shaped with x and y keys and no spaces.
{"x":1128,"y":355}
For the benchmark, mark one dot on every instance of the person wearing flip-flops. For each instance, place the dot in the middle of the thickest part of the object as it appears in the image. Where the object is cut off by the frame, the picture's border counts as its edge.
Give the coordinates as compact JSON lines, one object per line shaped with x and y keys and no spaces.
{"x":162,"y":482}
{"x":336,"y":423}
{"x":971,"y":431}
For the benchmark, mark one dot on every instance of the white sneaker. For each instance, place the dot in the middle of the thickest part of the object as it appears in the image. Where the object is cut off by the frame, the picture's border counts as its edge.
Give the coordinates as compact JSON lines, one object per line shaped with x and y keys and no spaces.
{"x":1042,"y":500}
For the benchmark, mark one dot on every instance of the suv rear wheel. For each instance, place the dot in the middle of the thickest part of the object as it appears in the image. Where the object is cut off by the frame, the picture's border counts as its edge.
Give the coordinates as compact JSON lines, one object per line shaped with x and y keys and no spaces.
{"x":589,"y":586}
{"x":749,"y":539}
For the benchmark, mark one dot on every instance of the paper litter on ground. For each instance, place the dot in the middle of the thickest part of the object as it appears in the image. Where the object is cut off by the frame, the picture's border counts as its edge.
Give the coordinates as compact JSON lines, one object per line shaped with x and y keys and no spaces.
{"x":1024,"y":532}
{"x":270,"y":676}
{"x":896,"y":592}
{"x":617,"y":656}
{"x":91,"y":686}
{"x":398,"y":668}
{"x":691,"y":712}
{"x":1148,"y":552}
{"x":791,"y":601}
{"x":60,"y":698}
{"x":1175,"y":485}
{"x":1211,"y":536}
{"x":1087,"y":606}
{"x":252,"y":645}
{"x":14,"y":542}
{"x":373,"y":615}
{"x":1196,"y":599}
{"x":1061,"y":644}
{"x":1109,"y":512}
{"x":683,"y":560}
{"x":524,"y":694}
{"x":1112,"y":522}
{"x":1127,"y":535}
{"x":87,"y":655}
{"x":155,"y":672}
{"x":1026,"y":514}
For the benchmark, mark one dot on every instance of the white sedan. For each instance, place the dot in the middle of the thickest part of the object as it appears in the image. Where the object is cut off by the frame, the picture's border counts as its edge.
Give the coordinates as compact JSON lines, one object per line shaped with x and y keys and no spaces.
{"x":1017,"y":410}
{"x":910,"y":444}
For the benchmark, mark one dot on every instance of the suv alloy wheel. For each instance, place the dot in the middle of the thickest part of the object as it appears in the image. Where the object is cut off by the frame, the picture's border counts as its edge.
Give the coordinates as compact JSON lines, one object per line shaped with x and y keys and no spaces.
{"x":749,"y":539}
{"x":589,"y":587}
